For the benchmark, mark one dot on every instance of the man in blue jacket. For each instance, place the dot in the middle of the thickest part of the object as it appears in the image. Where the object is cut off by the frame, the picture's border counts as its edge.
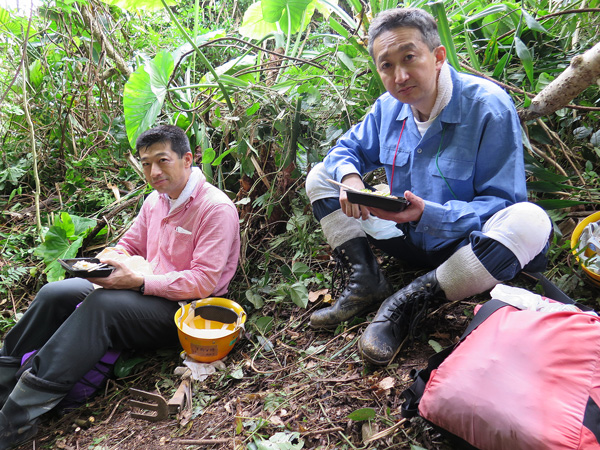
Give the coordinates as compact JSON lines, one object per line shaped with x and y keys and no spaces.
{"x":450,"y":143}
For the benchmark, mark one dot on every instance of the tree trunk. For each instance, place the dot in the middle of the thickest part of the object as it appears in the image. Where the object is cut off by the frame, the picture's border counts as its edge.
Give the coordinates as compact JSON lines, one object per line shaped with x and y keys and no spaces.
{"x":583,"y":71}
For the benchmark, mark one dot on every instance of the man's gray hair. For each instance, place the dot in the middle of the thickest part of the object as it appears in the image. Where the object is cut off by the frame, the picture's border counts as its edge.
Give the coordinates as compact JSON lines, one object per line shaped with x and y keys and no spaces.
{"x":418,"y":18}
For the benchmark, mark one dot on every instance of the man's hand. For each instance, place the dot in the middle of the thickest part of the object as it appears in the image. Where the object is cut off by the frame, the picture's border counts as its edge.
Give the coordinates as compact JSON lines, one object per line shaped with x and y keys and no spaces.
{"x":352,"y":209}
{"x":121,"y":278}
{"x":412,"y":213}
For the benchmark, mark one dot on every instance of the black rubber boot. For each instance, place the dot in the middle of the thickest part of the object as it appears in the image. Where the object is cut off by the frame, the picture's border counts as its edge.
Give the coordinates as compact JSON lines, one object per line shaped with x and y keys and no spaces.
{"x":9,"y":366}
{"x":30,"y":398}
{"x":396,"y":319}
{"x":366,"y":288}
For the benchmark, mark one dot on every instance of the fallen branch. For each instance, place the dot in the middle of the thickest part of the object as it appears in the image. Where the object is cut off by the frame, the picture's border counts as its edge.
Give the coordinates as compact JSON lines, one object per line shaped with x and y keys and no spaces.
{"x":583,"y":71}
{"x":326,"y":431}
{"x":201,"y":441}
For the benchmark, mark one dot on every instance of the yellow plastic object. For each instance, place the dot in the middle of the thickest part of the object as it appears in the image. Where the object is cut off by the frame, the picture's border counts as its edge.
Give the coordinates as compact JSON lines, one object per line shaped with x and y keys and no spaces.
{"x":594,"y":277}
{"x":208,"y":328}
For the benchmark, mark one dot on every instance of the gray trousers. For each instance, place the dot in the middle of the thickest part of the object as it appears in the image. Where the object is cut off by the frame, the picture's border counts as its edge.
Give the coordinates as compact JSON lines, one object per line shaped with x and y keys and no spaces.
{"x":71,"y":339}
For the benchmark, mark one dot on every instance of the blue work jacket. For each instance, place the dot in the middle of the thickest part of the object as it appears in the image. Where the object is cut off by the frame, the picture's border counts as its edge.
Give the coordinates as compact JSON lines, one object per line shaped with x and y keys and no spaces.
{"x":467,"y":166}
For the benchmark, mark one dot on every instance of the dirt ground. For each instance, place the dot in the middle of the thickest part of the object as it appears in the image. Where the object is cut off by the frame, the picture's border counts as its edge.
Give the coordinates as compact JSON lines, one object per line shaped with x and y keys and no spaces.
{"x":298,"y":381}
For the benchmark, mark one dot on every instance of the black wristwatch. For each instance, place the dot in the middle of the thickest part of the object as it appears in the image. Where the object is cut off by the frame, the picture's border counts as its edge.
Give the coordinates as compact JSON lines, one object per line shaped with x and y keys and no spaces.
{"x":142,"y":287}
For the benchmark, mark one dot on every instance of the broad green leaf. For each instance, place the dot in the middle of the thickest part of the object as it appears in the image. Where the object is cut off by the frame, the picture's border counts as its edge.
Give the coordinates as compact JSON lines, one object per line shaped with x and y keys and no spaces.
{"x":254,"y":25}
{"x":134,"y":5}
{"x":543,"y":80}
{"x":299,"y":294}
{"x":57,"y":246}
{"x":144,"y":94}
{"x":280,"y":10}
{"x":299,"y":268}
{"x":36,"y":76}
{"x":62,"y":241}
{"x":264,"y":324}
{"x":81,"y":225}
{"x":362,"y":414}
{"x":526,"y":58}
{"x":208,"y":155}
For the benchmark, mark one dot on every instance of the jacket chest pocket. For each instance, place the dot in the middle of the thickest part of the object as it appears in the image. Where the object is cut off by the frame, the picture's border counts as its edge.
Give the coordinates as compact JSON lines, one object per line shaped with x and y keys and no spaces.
{"x":180,"y":245}
{"x":453,"y":169}
{"x":388,"y":154}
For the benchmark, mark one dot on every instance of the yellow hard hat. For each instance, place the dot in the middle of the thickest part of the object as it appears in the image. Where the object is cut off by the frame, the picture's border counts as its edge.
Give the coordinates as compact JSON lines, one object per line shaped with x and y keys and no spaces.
{"x":208,"y":328}
{"x":594,"y":277}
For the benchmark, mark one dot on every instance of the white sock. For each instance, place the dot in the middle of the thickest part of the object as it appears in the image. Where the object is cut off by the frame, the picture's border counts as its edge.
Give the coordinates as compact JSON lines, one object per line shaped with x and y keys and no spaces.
{"x":463,"y":275}
{"x":339,"y":228}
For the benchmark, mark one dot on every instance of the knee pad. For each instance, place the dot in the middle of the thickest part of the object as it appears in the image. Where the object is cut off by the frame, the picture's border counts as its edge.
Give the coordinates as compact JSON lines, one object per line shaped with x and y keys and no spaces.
{"x":524,"y":228}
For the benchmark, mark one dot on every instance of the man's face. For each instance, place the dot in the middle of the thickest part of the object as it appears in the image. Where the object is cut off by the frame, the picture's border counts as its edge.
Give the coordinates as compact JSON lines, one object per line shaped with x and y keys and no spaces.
{"x":407,"y":67}
{"x":164,"y":170}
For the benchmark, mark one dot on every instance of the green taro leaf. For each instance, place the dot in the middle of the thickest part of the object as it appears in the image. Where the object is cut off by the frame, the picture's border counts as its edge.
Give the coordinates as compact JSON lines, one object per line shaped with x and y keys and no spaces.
{"x":145,"y":93}
{"x":254,"y":25}
{"x":57,"y":246}
{"x":278,"y":11}
{"x":62,"y":241}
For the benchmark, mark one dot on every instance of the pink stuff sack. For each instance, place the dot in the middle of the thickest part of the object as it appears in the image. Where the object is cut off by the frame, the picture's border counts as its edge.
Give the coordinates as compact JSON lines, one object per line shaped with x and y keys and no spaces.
{"x":518,"y":380}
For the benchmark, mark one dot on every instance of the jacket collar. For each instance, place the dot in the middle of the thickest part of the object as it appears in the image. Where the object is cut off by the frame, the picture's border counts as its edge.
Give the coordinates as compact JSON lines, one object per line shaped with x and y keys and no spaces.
{"x":191,"y":189}
{"x":452,"y":112}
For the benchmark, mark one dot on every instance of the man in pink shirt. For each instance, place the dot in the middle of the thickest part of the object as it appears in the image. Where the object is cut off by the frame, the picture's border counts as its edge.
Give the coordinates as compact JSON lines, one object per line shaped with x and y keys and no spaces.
{"x":188,"y":231}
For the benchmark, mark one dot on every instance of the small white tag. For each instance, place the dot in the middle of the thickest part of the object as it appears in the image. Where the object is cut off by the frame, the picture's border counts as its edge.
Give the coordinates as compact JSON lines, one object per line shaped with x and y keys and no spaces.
{"x":182,"y":230}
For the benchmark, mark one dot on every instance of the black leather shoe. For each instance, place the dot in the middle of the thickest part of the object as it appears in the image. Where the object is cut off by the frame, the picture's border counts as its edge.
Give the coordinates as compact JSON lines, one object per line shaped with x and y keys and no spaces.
{"x":396,"y":319}
{"x":366,"y":288}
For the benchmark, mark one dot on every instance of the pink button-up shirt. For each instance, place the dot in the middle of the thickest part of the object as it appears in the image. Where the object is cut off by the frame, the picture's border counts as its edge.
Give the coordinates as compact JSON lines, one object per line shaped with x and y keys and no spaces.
{"x":193,"y":249}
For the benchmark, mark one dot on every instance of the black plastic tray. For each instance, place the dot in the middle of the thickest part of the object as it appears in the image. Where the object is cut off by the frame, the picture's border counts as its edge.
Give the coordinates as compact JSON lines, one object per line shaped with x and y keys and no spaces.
{"x":377,"y":201}
{"x":98,"y":273}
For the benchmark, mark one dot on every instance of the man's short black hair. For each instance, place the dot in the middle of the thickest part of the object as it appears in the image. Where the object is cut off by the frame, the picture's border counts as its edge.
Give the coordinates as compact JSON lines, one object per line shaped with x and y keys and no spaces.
{"x":180,"y":143}
{"x":418,"y":18}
